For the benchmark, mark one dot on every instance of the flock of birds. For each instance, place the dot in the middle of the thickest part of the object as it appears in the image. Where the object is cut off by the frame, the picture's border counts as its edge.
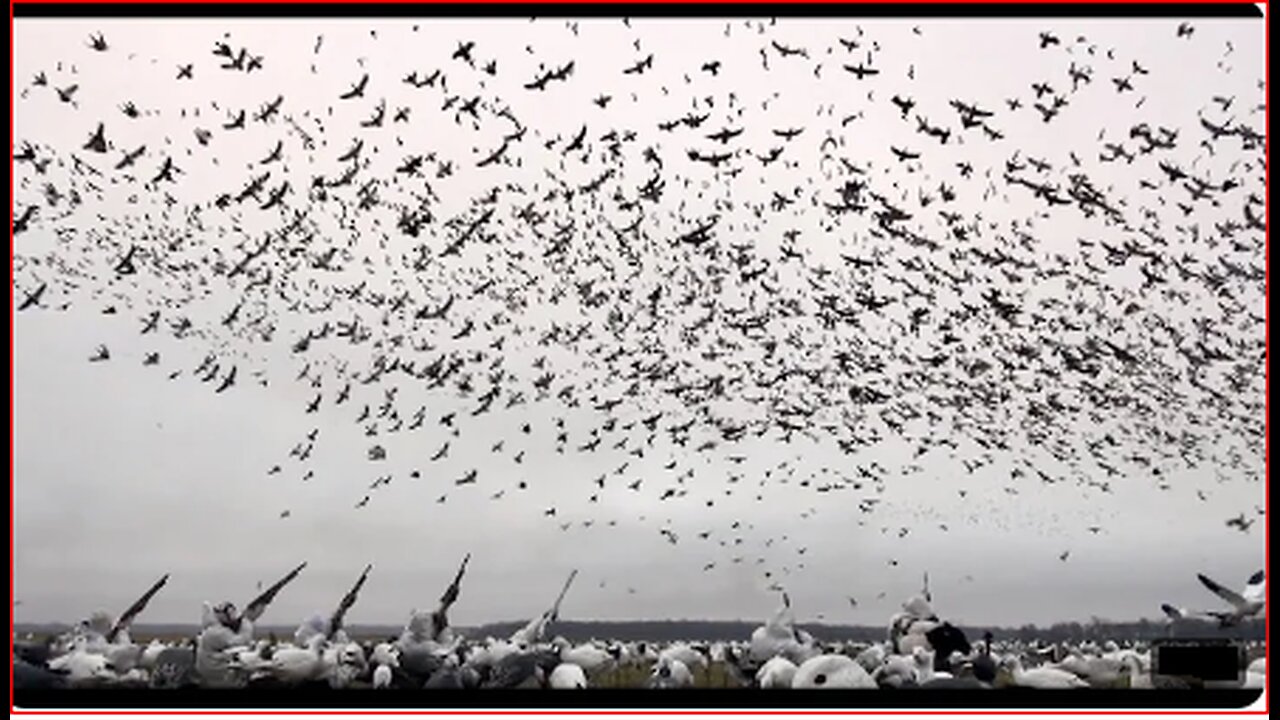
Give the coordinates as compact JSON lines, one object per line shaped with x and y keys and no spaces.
{"x":668,"y":295}
{"x":920,"y":651}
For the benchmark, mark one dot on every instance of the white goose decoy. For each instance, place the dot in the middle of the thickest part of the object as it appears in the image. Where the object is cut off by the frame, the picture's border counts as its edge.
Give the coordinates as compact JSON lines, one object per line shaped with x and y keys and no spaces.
{"x":491,"y":653}
{"x":777,"y":673}
{"x":924,"y":662}
{"x":670,"y":673}
{"x":1255,"y":677}
{"x":293,"y":665}
{"x":588,"y":656}
{"x":250,"y":661}
{"x":832,"y":671}
{"x":567,"y":676}
{"x":150,"y":654}
{"x":1095,"y":670}
{"x":643,"y":652}
{"x":685,"y":653}
{"x":1139,"y":679}
{"x":897,"y":671}
{"x":98,"y":635}
{"x":82,"y":666}
{"x":872,"y":657}
{"x":385,"y":654}
{"x":384,"y":658}
{"x":1042,"y":677}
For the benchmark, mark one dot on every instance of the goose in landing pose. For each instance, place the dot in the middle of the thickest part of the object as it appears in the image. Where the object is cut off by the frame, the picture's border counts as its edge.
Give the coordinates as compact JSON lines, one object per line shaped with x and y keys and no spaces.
{"x":1245,"y":605}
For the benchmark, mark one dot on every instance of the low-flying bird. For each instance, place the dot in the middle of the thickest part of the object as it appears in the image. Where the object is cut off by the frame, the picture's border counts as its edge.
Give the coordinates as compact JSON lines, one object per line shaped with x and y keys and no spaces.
{"x":1246,"y":604}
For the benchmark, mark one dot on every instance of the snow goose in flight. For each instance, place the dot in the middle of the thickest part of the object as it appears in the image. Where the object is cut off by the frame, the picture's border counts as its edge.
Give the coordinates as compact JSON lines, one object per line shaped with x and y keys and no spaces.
{"x":1245,"y":605}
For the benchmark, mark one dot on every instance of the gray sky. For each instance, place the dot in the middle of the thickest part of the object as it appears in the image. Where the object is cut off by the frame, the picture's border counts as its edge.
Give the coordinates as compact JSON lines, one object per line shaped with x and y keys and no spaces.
{"x":122,"y":475}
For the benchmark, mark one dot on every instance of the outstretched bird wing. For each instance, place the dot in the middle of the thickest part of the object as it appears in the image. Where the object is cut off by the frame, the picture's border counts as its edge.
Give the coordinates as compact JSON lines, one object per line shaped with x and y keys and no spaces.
{"x":1229,"y":595}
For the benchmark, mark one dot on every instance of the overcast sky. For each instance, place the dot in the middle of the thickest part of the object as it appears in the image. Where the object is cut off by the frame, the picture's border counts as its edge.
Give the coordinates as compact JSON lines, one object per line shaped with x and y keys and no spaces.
{"x":122,"y":475}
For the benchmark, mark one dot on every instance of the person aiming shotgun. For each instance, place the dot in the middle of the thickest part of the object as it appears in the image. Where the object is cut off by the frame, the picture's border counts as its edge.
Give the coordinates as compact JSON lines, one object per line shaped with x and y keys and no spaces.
{"x":100,"y":635}
{"x":536,"y":630}
{"x":433,"y":627}
{"x":224,"y":627}
{"x":331,"y":627}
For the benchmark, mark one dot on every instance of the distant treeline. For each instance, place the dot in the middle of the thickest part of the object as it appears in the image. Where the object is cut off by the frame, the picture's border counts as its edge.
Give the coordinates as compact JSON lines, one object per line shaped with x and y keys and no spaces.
{"x":668,"y":630}
{"x":661,"y":631}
